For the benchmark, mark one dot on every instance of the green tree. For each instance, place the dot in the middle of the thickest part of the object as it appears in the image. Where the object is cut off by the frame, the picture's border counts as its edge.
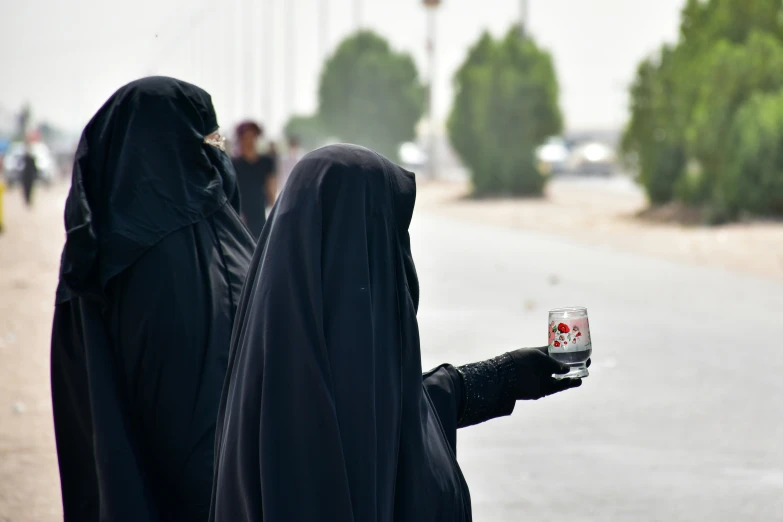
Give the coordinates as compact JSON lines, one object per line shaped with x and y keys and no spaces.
{"x":465,"y":124}
{"x":753,"y":181}
{"x":370,"y":94}
{"x":746,"y":69}
{"x":685,"y":105}
{"x":653,"y":137}
{"x":506,"y":105}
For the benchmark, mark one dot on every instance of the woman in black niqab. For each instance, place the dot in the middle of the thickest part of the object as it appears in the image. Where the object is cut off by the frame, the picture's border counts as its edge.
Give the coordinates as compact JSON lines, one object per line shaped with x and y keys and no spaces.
{"x":325,"y":414}
{"x":152,"y":268}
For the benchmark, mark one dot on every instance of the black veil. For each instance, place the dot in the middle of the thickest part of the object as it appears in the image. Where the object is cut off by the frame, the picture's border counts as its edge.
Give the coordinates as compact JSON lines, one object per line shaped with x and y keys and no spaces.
{"x":324,"y":415}
{"x":141,"y":171}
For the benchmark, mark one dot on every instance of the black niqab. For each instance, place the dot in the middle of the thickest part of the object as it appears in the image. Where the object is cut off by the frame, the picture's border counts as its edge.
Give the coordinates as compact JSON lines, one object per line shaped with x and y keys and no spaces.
{"x":161,"y":176}
{"x":151,"y":272}
{"x":324,"y":415}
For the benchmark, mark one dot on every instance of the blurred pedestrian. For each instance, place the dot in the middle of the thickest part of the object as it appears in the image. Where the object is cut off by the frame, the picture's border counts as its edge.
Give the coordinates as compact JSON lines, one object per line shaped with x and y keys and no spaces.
{"x":255,"y":174}
{"x":2,"y":196}
{"x":150,"y":278}
{"x":273,"y":152}
{"x":2,"y":191}
{"x":29,"y":174}
{"x":274,"y":156}
{"x":292,"y":156}
{"x":325,"y":414}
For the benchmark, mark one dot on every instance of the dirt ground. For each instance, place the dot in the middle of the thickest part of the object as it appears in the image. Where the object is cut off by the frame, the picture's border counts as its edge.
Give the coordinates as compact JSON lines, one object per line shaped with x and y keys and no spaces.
{"x":603,"y":212}
{"x":31,"y":245}
{"x":29,"y":253}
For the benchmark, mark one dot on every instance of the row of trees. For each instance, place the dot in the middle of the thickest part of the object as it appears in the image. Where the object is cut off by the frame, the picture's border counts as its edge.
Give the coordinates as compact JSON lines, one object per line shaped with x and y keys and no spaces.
{"x":506,"y":104}
{"x":706,"y":122}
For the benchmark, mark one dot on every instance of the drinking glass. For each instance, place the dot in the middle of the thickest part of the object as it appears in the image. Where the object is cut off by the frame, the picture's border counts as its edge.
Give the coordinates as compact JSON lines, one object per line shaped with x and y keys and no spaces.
{"x":569,"y":340}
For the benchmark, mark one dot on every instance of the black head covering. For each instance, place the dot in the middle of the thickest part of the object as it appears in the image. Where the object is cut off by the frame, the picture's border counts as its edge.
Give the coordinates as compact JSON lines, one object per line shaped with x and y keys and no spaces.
{"x":323,"y":415}
{"x":153,"y":261}
{"x":141,"y":171}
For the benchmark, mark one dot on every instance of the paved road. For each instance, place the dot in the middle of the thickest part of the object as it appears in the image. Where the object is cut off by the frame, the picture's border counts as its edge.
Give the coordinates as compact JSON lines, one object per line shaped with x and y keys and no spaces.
{"x":680,"y":420}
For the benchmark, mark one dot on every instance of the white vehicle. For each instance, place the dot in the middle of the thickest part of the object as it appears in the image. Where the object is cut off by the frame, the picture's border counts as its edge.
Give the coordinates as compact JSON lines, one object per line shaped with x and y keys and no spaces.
{"x":552,"y":156}
{"x":412,"y":156}
{"x":13,"y":162}
{"x":593,"y":158}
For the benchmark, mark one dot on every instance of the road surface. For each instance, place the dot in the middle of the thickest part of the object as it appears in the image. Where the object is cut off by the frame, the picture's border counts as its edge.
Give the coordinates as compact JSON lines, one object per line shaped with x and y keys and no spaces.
{"x":680,"y":420}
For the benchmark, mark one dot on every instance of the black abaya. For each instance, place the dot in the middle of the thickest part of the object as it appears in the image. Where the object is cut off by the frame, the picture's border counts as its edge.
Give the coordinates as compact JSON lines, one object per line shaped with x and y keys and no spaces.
{"x":325,"y":415}
{"x":29,"y":177}
{"x":252,"y":179}
{"x":152,"y":269}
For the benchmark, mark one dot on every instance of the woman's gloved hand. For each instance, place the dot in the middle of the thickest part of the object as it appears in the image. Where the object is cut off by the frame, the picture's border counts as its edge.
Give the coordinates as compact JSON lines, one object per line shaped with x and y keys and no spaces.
{"x":533,"y":379}
{"x":492,"y":387}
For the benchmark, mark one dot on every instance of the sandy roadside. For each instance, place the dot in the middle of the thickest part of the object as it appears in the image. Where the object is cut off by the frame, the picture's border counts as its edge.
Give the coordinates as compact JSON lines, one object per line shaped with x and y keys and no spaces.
{"x":29,"y":259}
{"x":592,"y":213}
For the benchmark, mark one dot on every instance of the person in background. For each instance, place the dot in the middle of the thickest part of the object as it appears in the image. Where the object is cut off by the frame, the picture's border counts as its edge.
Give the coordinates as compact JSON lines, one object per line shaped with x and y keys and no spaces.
{"x":29,"y":174}
{"x":274,"y":156}
{"x":150,"y":276}
{"x":273,"y":153}
{"x":2,"y":192}
{"x":255,"y":175}
{"x":292,"y":157}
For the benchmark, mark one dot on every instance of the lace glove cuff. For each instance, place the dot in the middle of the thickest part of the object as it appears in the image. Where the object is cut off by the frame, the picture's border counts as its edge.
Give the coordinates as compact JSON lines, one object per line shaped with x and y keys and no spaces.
{"x":488,"y":390}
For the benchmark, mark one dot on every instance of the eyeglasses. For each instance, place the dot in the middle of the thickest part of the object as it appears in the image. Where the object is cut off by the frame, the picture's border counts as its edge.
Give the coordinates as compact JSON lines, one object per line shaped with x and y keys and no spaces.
{"x":216,"y":140}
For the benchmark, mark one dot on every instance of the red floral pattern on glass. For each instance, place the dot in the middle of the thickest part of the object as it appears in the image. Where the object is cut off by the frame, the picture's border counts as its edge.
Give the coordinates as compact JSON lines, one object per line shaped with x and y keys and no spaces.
{"x":561,"y":334}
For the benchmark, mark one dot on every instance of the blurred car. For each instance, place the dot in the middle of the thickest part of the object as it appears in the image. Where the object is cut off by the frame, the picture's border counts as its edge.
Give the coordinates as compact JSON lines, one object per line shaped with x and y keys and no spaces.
{"x":553,"y":156}
{"x":13,"y":162}
{"x":592,"y":158}
{"x":412,"y":156}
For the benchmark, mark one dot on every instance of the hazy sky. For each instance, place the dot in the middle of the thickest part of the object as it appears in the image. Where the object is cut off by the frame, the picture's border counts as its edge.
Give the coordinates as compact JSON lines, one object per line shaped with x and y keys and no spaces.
{"x":67,"y":56}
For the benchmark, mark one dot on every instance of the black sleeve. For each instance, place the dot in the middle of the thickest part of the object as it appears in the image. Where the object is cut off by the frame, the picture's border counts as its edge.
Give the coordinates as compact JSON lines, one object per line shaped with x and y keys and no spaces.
{"x":72,"y":420}
{"x":97,"y":451}
{"x":488,"y":389}
{"x":473,"y":393}
{"x":444,"y":387}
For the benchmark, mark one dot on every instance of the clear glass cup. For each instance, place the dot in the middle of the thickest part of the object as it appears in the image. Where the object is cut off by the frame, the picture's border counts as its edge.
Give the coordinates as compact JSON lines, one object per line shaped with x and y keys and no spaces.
{"x":569,"y":340}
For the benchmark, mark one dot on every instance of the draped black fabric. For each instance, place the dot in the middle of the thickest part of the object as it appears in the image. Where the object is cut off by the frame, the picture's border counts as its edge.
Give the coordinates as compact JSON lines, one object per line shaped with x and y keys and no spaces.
{"x":325,"y":415}
{"x":151,"y":274}
{"x":141,"y":171}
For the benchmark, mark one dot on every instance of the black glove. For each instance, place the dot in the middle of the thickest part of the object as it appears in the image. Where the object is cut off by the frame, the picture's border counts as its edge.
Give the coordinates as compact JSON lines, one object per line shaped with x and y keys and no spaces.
{"x":533,"y":377}
{"x":492,"y":387}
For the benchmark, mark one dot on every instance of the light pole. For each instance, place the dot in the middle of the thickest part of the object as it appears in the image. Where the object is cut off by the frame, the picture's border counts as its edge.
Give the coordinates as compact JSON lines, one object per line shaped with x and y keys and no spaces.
{"x":357,"y":14}
{"x":239,"y":75}
{"x":250,"y":58}
{"x":269,"y":64}
{"x":431,"y":6}
{"x":323,"y":33}
{"x":290,"y":58}
{"x":523,"y":18}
